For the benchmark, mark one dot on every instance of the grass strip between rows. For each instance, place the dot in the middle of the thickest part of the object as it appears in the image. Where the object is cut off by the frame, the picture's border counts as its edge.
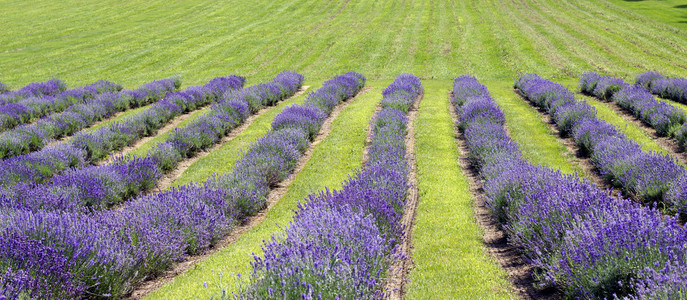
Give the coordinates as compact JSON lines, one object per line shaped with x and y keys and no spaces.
{"x":449,"y":255}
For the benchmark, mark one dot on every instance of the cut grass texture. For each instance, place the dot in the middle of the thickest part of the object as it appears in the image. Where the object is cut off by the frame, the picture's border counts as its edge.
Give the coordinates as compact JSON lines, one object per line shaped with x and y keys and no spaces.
{"x":138,"y":41}
{"x":448,"y":252}
{"x":333,"y":160}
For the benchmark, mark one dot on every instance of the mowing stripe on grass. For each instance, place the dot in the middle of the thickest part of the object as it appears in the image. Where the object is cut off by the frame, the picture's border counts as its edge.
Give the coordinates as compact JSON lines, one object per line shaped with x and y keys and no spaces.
{"x":449,"y":256}
{"x":333,"y":160}
{"x":223,"y":159}
{"x":538,"y":143}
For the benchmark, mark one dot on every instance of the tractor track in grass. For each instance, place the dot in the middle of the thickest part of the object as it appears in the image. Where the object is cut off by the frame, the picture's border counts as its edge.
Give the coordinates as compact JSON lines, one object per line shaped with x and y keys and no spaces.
{"x":400,"y":268}
{"x":168,"y":179}
{"x":580,"y":158}
{"x":248,"y":223}
{"x":668,"y":144}
{"x":520,"y":273}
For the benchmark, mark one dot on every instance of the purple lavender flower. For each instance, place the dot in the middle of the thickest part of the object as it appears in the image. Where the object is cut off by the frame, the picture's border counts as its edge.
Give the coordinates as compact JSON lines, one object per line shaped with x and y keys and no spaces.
{"x":671,"y":88}
{"x":340,"y":243}
{"x":307,"y":118}
{"x":646,"y":79}
{"x":579,"y":238}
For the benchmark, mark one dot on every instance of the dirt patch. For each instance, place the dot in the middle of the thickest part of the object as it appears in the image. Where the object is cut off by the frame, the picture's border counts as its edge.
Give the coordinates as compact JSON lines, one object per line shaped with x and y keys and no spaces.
{"x":670,"y":145}
{"x":169,"y":178}
{"x":275,"y":194}
{"x":520,"y":273}
{"x":400,"y":268}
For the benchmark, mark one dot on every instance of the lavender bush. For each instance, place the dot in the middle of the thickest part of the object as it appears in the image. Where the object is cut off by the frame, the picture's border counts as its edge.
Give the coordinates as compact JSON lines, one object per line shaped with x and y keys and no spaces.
{"x":646,"y":79}
{"x":669,"y":88}
{"x":646,"y":176}
{"x":98,"y":144}
{"x":357,"y":228}
{"x":37,"y":89}
{"x":115,"y":249}
{"x":99,"y":187}
{"x":665,"y":118}
{"x":30,"y":109}
{"x":579,"y":238}
{"x":33,"y":137}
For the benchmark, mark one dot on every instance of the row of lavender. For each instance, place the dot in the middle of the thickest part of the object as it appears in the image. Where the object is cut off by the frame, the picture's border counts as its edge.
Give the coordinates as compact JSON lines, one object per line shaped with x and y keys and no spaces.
{"x":109,"y":251}
{"x":37,"y":89}
{"x":99,"y":187}
{"x":669,"y":88}
{"x":89,"y":147}
{"x":579,"y":238}
{"x":340,"y":244}
{"x":667,"y":119}
{"x":90,"y":108}
{"x":273,"y":157}
{"x":31,"y":109}
{"x":649,"y":177}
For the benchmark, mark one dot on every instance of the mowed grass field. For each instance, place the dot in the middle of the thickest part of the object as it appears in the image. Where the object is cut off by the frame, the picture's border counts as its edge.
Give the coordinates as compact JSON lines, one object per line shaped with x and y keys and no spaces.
{"x":138,"y":41}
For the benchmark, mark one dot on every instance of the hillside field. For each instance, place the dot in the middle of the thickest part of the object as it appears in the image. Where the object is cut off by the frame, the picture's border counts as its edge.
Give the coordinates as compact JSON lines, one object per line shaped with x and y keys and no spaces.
{"x":456,"y":248}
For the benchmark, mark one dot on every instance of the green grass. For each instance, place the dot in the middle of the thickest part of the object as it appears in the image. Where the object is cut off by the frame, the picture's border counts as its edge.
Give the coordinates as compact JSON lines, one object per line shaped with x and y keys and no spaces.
{"x":334,"y":159}
{"x":450,"y":260}
{"x":138,"y":41}
{"x":223,"y":159}
{"x":673,"y":12}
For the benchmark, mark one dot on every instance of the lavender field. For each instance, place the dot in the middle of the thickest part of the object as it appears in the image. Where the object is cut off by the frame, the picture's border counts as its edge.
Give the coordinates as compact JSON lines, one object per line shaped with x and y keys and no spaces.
{"x":529,"y":149}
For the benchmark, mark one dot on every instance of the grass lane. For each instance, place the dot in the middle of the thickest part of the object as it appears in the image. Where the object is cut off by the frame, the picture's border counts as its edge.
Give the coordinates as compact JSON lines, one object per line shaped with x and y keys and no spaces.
{"x":450,"y":260}
{"x":538,"y":143}
{"x":334,"y":159}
